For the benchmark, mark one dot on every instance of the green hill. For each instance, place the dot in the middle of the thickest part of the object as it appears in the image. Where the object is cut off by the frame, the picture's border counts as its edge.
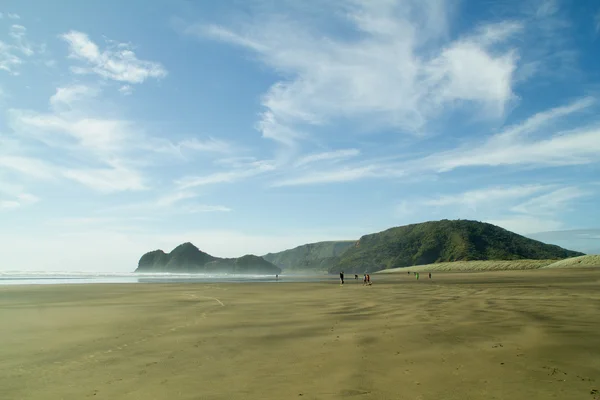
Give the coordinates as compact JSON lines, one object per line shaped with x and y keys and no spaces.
{"x":187,"y":258}
{"x":310,"y":257}
{"x":442,"y":241}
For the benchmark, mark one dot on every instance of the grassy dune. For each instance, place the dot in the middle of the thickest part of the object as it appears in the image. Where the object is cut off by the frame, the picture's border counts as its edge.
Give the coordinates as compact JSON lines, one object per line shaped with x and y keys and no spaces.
{"x":510,"y":265}
{"x":577,"y":262}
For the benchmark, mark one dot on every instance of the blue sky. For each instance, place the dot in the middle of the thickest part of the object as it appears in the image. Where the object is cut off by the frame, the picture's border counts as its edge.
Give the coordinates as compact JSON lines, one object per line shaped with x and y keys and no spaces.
{"x":255,"y":126}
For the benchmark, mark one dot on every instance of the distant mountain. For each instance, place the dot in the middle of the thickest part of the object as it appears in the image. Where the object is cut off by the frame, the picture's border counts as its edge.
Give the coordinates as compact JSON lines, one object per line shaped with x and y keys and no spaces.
{"x":187,"y":258}
{"x":310,"y":257}
{"x":442,"y":241}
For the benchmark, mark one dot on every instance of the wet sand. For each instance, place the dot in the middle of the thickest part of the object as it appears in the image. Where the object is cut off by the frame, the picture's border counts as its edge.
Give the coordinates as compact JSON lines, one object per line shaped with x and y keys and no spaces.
{"x":501,"y":335}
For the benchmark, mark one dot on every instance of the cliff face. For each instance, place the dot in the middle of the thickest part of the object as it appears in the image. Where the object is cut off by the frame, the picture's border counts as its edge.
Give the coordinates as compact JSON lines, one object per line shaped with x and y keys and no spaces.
{"x":187,"y":258}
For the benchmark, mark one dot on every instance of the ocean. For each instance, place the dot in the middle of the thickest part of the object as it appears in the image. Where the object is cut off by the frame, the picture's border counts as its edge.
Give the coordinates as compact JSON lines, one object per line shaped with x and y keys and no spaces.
{"x":50,"y":278}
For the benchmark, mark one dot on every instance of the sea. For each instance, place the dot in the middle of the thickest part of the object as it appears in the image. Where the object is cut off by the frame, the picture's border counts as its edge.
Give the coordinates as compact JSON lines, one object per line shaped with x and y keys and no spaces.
{"x":54,"y":278}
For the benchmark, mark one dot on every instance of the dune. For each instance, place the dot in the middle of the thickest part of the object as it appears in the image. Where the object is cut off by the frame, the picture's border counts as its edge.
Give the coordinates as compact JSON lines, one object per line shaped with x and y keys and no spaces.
{"x":507,"y":265}
{"x":592,"y":260}
{"x":472,"y":266}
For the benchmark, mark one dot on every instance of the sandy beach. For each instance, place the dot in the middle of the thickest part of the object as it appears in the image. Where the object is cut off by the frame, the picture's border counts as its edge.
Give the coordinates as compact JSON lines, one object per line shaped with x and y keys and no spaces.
{"x":493,"y":335}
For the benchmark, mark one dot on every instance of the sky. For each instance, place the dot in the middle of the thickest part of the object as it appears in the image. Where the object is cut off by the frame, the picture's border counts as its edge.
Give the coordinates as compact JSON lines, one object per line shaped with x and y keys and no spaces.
{"x":259,"y":125}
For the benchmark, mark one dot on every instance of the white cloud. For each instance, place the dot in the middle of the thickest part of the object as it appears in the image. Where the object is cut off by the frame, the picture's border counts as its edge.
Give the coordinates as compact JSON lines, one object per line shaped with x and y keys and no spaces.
{"x":8,"y":61}
{"x":28,"y":166}
{"x":87,"y":133}
{"x":526,"y":224}
{"x":14,"y":196}
{"x":118,"y":62}
{"x":551,"y":203}
{"x":518,"y":145}
{"x":9,"y":204}
{"x":327,"y":156}
{"x":487,"y":196}
{"x":18,"y":32}
{"x":13,"y":16}
{"x":384,"y":76}
{"x":178,"y":202}
{"x":235,"y":175}
{"x":344,"y":174}
{"x":211,"y":145}
{"x":102,"y":153}
{"x":115,"y":178}
{"x":69,"y":95}
{"x":126,"y":90}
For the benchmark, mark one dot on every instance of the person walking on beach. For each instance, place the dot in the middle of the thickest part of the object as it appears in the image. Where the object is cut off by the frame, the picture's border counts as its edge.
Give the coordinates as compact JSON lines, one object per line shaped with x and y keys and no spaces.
{"x":417,"y":275}
{"x":365,"y":279}
{"x":430,"y":275}
{"x":342,"y":278}
{"x":356,"y":277}
{"x":368,"y":279}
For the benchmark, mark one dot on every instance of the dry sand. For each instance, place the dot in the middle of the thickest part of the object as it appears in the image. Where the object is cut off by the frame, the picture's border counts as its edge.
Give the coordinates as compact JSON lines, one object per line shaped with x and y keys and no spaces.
{"x":493,"y":335}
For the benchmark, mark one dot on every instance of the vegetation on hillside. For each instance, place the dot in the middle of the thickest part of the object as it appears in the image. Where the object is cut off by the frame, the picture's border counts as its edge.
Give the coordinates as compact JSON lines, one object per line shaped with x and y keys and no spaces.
{"x":187,"y":258}
{"x":310,"y":257}
{"x":442,"y":241}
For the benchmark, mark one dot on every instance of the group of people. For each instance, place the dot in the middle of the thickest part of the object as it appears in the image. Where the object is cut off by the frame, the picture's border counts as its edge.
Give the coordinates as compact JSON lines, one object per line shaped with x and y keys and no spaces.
{"x":366,"y":278}
{"x":417,"y":274}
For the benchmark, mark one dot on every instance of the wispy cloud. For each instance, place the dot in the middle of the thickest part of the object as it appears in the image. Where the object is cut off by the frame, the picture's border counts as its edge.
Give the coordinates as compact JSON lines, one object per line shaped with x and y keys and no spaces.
{"x":103,"y":153}
{"x":597,"y":22}
{"x":28,"y":166}
{"x":525,"y":144}
{"x":113,"y":178}
{"x":14,"y":197}
{"x":11,"y":53}
{"x":210,"y":145}
{"x":68,"y":96}
{"x":524,"y":224}
{"x":552,"y":202}
{"x":486,"y":196}
{"x":8,"y":60}
{"x":126,"y":90}
{"x":9,"y":16}
{"x":235,"y":175}
{"x":327,"y":156}
{"x":177,"y":202}
{"x":383,"y":76}
{"x":117,"y":62}
{"x":337,"y":175}
{"x":18,"y":32}
{"x":538,"y":141}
